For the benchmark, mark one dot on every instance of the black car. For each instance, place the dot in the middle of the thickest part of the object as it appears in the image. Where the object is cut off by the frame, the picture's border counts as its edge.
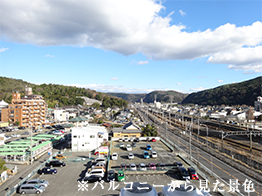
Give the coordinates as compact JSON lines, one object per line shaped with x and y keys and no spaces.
{"x":111,"y":175}
{"x":92,"y":178}
{"x":137,"y":139}
{"x":47,"y":170}
{"x":21,"y":128}
{"x":56,"y":163}
{"x":123,"y":166}
{"x":133,"y":144}
{"x":183,"y":174}
{"x":161,"y":166}
{"x":178,"y":164}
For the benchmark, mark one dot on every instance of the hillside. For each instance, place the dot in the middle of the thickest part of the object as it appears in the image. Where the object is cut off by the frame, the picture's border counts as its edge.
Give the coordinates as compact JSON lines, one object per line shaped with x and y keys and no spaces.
{"x":161,"y":96}
{"x":56,"y":94}
{"x":231,"y":94}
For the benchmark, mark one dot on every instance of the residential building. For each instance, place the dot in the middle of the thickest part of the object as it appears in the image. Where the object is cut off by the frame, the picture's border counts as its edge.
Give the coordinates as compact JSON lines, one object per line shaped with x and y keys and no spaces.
{"x":29,"y":111}
{"x":258,"y":104}
{"x":88,"y":138}
{"x":128,"y":130}
{"x":60,"y":115}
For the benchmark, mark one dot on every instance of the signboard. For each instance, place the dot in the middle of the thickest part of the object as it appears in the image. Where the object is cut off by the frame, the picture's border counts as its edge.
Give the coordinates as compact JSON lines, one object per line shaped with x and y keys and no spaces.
{"x":103,"y":150}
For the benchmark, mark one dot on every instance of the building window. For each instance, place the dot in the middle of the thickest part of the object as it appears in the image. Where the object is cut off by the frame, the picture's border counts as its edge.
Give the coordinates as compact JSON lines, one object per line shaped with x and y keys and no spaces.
{"x":87,"y":143}
{"x":92,"y":136}
{"x":83,"y":135}
{"x":83,"y":144}
{"x":75,"y":136}
{"x":75,"y":144}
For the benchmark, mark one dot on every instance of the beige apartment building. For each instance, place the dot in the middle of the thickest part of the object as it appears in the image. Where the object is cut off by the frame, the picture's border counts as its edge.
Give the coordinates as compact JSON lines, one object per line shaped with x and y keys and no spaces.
{"x":29,"y":111}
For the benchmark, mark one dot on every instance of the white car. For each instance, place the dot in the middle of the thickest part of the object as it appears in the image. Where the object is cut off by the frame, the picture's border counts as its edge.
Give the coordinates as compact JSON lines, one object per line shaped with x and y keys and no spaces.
{"x":102,"y":160}
{"x":97,"y":172}
{"x":131,"y":139}
{"x":132,"y":167}
{"x":114,"y":156}
{"x":128,"y":147}
{"x":15,"y":135}
{"x":120,"y":140}
{"x":131,"y":156}
{"x":142,"y":167}
{"x":126,"y":140}
{"x":122,"y":145}
{"x":153,"y":154}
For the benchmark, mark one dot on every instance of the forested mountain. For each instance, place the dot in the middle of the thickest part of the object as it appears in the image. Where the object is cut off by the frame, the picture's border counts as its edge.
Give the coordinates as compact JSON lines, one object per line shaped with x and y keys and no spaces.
{"x":56,"y":94}
{"x":231,"y":94}
{"x":161,"y":96}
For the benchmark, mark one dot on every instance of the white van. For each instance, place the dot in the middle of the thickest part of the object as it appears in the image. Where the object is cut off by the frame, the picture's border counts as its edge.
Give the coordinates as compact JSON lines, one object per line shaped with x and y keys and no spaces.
{"x":97,"y":172}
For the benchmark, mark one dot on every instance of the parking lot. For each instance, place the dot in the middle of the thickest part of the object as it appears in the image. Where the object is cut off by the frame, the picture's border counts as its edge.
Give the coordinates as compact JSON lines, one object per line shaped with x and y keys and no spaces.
{"x":164,"y":155}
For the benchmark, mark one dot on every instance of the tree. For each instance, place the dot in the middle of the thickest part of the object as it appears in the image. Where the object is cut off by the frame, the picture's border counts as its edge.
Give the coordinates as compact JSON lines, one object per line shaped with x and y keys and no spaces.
{"x":17,"y":123}
{"x":96,"y":105}
{"x":2,"y":165}
{"x":149,"y":131}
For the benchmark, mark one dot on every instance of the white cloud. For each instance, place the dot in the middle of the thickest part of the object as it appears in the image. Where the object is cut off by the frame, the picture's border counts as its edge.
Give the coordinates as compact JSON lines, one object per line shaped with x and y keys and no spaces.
{"x":220,"y":80}
{"x":3,"y":49}
{"x":114,"y":79}
{"x":178,"y":83}
{"x":142,"y":62}
{"x":182,"y":13}
{"x":48,"y":55}
{"x":248,"y":59}
{"x":197,"y":89}
{"x":115,"y":27}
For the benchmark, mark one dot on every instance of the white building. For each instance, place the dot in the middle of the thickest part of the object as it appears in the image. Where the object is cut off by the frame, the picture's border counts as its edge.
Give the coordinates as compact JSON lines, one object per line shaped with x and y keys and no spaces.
{"x":61,"y":115}
{"x":88,"y":138}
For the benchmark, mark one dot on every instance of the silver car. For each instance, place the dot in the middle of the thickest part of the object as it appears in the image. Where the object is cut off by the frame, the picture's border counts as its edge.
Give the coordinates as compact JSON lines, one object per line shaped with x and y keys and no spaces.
{"x":131,"y":156}
{"x":38,"y":181}
{"x":31,"y":189}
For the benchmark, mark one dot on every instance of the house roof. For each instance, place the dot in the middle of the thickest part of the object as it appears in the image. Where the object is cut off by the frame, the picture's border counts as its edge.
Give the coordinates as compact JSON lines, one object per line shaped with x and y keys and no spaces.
{"x":77,"y":119}
{"x":128,"y":125}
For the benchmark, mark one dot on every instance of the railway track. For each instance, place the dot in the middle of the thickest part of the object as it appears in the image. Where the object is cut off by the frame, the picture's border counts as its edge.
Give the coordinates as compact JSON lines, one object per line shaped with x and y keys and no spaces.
{"x":238,"y":146}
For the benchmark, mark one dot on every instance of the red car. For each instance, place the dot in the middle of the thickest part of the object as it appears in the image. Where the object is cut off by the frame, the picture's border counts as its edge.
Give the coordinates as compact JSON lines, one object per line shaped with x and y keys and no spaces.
{"x":192,"y":173}
{"x":62,"y":131}
{"x":153,"y":140}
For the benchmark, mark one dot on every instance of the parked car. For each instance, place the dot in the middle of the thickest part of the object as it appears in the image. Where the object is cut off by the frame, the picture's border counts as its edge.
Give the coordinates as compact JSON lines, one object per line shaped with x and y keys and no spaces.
{"x":133,"y":144}
{"x":128,"y":147}
{"x":96,"y":172}
{"x":154,"y":154}
{"x":103,"y":160}
{"x":178,"y":164}
{"x":153,"y":140}
{"x":131,"y":139}
{"x":125,"y":139}
{"x":146,"y":155}
{"x":47,"y":170}
{"x":26,"y":133}
{"x":142,"y":167}
{"x":120,"y":140}
{"x":132,"y":166}
{"x":137,"y":140}
{"x":31,"y":189}
{"x":93,"y":178}
{"x":60,"y":156}
{"x":192,"y":173}
{"x":97,"y":167}
{"x":38,"y":181}
{"x":57,"y":132}
{"x":121,"y":145}
{"x":114,"y":156}
{"x":131,"y":156}
{"x":152,"y":166}
{"x":100,"y":164}
{"x":111,"y":175}
{"x":161,"y":166}
{"x":22,"y":128}
{"x":183,"y":174}
{"x":121,"y":176}
{"x":148,"y":147}
{"x":123,"y":166}
{"x":56,"y":163}
{"x":15,"y":135}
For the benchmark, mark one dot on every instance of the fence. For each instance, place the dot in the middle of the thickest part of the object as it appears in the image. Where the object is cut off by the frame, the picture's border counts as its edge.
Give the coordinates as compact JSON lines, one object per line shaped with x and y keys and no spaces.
{"x":14,"y":189}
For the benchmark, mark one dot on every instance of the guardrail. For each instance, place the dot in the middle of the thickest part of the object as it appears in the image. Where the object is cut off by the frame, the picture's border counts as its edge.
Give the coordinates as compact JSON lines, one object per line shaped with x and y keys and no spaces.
{"x":14,"y":189}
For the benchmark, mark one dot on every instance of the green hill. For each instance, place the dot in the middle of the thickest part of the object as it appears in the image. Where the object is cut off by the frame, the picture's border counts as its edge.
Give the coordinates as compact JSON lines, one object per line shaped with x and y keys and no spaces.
{"x":161,"y":96}
{"x":56,"y":94}
{"x":231,"y":94}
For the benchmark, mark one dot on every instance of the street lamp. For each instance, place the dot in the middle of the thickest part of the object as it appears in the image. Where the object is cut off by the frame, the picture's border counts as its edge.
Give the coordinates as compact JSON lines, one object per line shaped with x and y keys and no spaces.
{"x":207,"y":133}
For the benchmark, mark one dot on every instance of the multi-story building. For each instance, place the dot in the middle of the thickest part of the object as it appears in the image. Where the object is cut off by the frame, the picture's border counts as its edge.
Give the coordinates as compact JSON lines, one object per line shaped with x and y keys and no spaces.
{"x":29,"y":111}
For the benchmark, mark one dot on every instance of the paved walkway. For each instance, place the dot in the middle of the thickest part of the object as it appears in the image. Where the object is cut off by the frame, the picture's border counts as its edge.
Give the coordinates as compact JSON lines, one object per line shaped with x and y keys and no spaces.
{"x":24,"y":170}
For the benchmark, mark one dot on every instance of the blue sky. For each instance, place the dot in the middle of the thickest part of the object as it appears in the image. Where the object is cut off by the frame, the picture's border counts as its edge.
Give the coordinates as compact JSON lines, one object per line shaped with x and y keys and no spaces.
{"x":131,"y":46}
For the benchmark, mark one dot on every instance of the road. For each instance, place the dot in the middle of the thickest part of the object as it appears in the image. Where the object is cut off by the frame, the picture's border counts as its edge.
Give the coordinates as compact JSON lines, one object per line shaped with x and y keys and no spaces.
{"x":225,"y":171}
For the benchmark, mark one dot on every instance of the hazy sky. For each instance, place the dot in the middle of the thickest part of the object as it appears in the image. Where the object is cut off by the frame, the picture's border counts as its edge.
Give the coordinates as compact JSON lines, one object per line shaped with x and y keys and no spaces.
{"x":131,"y":45}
